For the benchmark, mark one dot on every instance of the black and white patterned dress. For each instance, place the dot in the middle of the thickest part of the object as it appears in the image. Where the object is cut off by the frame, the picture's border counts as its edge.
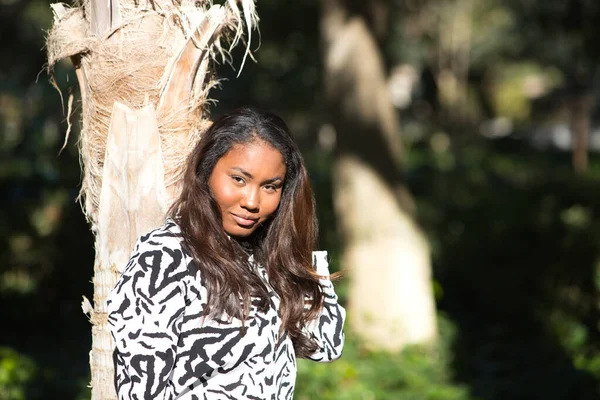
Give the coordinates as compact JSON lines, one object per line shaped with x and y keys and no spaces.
{"x":166,"y":349}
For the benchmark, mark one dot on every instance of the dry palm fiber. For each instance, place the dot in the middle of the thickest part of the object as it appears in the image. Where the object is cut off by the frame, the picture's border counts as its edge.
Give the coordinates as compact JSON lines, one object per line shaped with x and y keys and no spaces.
{"x":155,"y":53}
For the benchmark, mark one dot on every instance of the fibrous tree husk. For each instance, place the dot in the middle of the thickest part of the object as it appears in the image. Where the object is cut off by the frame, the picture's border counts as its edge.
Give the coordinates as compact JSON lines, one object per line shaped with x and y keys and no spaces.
{"x":144,"y":73}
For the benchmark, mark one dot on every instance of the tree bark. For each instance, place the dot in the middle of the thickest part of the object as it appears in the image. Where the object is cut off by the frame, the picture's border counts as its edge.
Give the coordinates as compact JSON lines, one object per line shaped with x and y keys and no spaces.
{"x":144,"y":76}
{"x":386,"y":254}
{"x":580,"y":108}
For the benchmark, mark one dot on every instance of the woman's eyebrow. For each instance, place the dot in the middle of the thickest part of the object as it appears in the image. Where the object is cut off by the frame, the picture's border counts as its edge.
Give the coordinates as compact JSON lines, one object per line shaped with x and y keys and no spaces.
{"x":243,"y":172}
{"x":273,"y":180}
{"x":250,"y":176}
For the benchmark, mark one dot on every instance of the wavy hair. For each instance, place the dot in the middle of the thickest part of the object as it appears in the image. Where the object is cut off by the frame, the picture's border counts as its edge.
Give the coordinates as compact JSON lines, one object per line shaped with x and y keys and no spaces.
{"x":283,"y":244}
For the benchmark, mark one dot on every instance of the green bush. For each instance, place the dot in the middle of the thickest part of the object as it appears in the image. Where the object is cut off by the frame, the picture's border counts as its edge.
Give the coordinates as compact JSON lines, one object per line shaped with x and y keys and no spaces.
{"x":16,"y":373}
{"x":416,"y":373}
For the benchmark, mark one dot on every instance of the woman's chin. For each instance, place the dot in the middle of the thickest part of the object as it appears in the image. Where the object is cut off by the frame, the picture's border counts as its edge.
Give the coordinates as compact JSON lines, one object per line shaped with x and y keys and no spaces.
{"x":241,"y":231}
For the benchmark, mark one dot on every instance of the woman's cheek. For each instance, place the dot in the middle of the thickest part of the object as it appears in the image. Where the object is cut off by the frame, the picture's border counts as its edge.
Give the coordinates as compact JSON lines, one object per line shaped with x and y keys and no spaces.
{"x":273,"y":204}
{"x":227,"y":195}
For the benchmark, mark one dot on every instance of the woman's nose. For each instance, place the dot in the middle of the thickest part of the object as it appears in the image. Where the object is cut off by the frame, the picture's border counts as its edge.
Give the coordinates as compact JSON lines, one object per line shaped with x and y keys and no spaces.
{"x":250,"y":200}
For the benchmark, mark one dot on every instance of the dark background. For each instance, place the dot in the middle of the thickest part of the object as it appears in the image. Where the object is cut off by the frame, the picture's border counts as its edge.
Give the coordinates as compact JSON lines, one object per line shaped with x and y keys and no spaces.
{"x":514,"y":231}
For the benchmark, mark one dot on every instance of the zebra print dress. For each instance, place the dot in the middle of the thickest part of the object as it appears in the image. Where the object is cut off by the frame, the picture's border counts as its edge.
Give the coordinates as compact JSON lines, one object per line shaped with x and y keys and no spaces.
{"x":166,"y":349}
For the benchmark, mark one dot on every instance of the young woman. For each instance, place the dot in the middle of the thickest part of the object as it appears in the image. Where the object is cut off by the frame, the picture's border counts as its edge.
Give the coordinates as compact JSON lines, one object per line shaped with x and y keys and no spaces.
{"x":218,"y":302}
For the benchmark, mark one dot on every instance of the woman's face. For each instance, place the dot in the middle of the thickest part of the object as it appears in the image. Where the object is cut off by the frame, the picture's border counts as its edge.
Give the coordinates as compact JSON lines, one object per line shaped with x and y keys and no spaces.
{"x":247,"y":183}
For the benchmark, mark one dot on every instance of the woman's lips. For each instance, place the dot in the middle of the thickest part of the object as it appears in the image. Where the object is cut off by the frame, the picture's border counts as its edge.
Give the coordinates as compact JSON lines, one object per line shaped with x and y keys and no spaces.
{"x":244,"y":221}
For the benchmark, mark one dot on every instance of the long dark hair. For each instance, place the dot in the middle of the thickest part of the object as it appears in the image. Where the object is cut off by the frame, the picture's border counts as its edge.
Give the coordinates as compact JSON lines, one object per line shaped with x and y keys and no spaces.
{"x":283,"y":244}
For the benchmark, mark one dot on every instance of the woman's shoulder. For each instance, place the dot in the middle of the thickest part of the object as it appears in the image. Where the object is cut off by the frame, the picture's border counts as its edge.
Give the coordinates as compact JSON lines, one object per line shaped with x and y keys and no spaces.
{"x":156,"y":272}
{"x":167,"y":235}
{"x":159,"y":249}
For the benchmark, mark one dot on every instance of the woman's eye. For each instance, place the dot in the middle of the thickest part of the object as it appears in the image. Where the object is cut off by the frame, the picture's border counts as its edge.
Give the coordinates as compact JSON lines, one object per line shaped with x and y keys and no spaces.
{"x":238,"y":179}
{"x":270,"y":188}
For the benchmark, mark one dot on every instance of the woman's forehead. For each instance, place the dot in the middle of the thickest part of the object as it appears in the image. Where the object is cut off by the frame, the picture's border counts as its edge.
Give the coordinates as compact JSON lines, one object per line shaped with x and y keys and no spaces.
{"x":256,"y":158}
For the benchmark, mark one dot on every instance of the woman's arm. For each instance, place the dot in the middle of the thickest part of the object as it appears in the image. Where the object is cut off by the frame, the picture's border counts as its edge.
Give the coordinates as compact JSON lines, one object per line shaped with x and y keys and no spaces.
{"x":328,"y":328}
{"x":145,"y":312}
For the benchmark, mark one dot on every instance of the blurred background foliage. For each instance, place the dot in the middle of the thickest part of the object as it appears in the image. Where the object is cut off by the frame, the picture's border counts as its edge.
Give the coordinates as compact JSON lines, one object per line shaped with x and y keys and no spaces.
{"x":489,"y":93}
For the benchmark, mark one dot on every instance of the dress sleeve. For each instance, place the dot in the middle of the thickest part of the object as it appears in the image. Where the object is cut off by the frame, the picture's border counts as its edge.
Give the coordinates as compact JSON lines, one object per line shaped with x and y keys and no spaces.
{"x":145,"y":313}
{"x":328,"y":328}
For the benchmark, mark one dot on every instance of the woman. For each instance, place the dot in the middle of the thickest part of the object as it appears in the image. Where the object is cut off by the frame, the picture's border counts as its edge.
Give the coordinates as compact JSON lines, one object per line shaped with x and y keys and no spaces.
{"x":219,"y":301}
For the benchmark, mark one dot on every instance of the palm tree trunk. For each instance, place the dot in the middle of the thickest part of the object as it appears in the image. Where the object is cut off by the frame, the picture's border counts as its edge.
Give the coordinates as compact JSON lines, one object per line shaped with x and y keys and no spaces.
{"x":143,"y":70}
